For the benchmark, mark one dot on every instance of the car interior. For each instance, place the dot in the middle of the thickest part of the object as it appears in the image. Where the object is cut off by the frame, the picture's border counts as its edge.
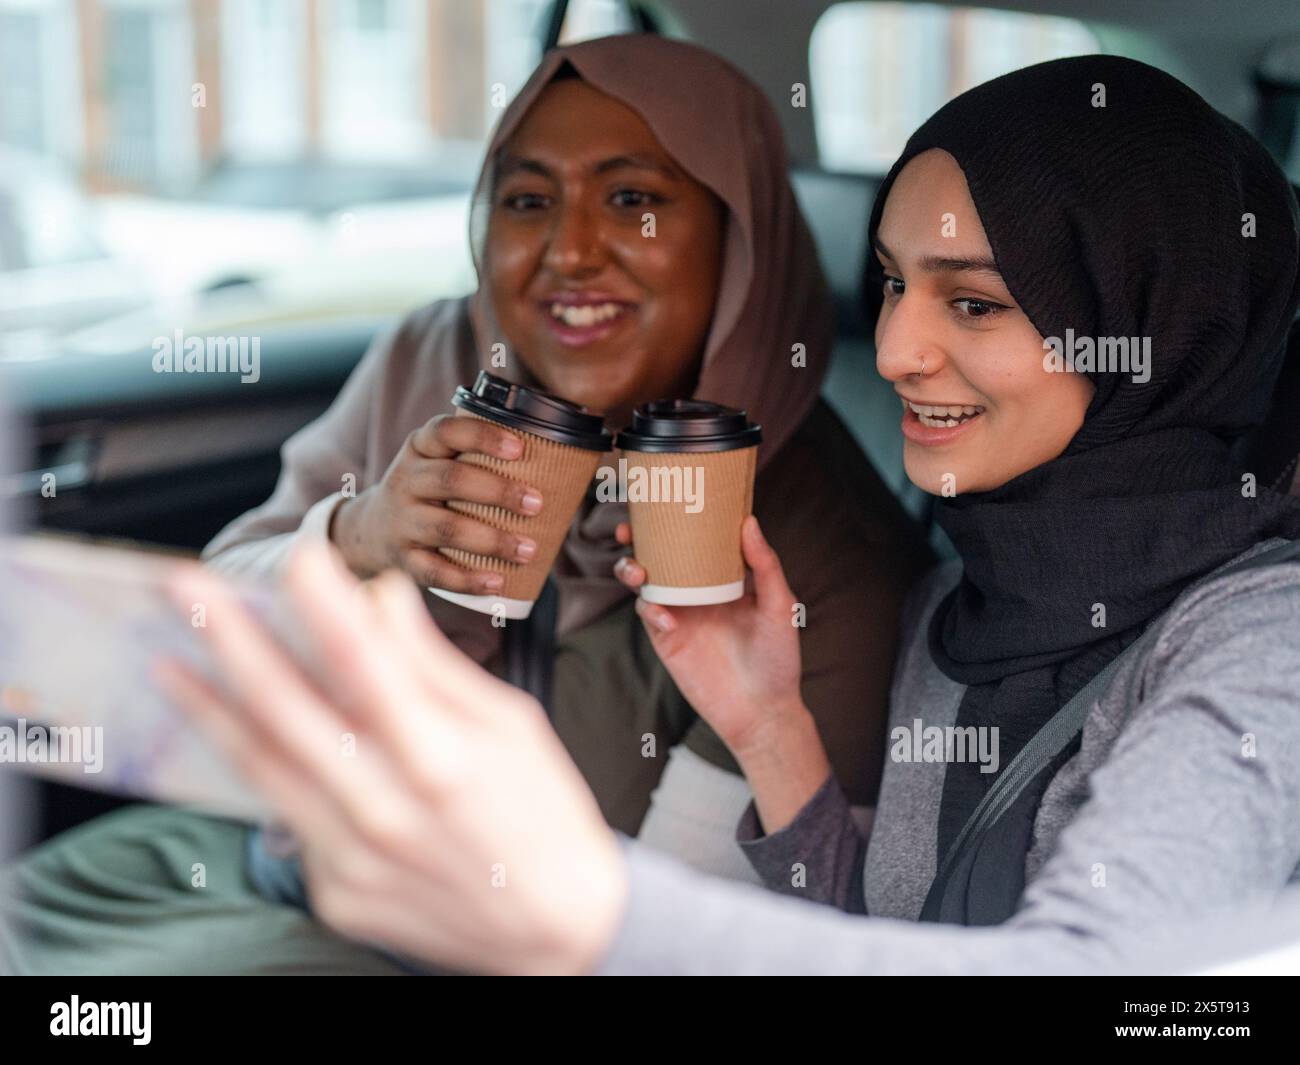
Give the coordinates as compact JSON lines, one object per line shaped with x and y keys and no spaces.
{"x":169,"y":459}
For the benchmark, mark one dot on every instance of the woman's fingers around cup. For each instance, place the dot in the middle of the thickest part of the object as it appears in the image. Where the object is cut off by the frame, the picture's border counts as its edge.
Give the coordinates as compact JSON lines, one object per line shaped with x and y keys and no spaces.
{"x":439,"y":480}
{"x":659,"y":619}
{"x":448,"y":435}
{"x":433,"y":527}
{"x":431,"y":570}
{"x":630,"y":572}
{"x":769,"y":578}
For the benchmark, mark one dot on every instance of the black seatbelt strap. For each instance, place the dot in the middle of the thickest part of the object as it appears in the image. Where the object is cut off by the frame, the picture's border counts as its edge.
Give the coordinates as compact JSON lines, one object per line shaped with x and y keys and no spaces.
{"x":1050,"y":741}
{"x":529,"y":647}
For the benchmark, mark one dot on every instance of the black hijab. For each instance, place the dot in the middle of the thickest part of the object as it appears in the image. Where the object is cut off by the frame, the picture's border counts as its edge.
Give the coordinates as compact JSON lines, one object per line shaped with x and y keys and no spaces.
{"x":1128,"y":220}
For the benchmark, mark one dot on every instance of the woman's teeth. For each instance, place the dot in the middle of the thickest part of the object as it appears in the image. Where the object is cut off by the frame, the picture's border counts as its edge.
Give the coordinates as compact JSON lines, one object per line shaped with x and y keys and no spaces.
{"x":588,"y":314}
{"x":942,"y":417}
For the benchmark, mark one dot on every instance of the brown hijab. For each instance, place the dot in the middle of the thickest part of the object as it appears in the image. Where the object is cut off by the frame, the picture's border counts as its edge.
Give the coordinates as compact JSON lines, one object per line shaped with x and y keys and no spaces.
{"x":772,"y":295}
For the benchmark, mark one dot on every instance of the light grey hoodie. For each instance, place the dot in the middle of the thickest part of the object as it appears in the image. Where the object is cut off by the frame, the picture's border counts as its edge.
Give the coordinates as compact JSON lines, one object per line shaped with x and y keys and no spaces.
{"x":1182,"y":803}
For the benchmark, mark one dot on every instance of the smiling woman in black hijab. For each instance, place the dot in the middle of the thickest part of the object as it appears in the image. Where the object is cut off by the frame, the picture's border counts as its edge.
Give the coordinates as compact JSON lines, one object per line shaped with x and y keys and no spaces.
{"x":1112,"y":672}
{"x":1123,"y":207}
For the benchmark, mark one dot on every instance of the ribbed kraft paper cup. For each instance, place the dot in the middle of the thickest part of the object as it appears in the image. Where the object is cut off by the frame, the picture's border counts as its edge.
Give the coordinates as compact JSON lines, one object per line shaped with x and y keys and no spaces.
{"x":691,"y":559}
{"x":562,"y":474}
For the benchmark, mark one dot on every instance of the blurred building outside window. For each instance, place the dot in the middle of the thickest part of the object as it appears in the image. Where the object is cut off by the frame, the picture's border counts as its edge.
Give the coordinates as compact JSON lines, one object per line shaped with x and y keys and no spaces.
{"x":228,"y":161}
{"x":880,"y":69}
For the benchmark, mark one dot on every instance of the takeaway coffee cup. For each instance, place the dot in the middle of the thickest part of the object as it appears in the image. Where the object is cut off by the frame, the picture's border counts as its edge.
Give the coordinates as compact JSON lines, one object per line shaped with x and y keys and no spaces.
{"x":689,"y":482}
{"x":563,"y":444}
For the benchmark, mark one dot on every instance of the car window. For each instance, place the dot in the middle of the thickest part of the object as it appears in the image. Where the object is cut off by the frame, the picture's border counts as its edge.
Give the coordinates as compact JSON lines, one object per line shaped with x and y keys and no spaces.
{"x":1277,"y":80}
{"x":880,"y":69}
{"x":252,"y":160}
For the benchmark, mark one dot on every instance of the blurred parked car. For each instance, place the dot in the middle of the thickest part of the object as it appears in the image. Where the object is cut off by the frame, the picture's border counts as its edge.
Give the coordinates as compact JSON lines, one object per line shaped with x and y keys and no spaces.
{"x":298,"y":241}
{"x":370,"y":261}
{"x":55,"y":273}
{"x":243,"y":221}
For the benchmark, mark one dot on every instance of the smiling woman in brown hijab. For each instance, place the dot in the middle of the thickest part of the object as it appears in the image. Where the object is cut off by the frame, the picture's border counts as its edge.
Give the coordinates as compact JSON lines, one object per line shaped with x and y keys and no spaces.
{"x":640,"y":184}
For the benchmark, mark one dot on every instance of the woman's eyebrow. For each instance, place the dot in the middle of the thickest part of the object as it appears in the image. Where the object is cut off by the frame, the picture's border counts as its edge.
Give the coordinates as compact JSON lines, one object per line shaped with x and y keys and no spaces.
{"x":939,"y":264}
{"x":636,"y":162}
{"x":508,"y":164}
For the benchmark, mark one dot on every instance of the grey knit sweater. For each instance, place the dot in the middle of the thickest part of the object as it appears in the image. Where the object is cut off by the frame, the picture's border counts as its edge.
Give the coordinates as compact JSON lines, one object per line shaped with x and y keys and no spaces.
{"x":1183,"y":802}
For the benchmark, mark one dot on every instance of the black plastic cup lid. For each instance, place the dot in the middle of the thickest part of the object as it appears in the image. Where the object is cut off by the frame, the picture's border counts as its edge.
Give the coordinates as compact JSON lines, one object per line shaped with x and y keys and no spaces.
{"x":534,"y":411}
{"x":688,"y":425}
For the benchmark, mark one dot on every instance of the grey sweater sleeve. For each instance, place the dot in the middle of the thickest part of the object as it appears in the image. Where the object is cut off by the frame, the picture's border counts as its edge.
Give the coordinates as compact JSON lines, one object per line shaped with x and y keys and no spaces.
{"x":1195,"y":812}
{"x":818,"y":856}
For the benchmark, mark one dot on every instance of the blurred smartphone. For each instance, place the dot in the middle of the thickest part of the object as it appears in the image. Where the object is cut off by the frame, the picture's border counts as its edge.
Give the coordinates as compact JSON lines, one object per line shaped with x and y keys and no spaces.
{"x":81,"y":624}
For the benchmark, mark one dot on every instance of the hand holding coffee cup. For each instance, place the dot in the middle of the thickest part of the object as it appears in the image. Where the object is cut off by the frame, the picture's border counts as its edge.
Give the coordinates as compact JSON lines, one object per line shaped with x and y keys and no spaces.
{"x":737,"y":663}
{"x":687,"y":468}
{"x":405,"y":519}
{"x":561,"y":446}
